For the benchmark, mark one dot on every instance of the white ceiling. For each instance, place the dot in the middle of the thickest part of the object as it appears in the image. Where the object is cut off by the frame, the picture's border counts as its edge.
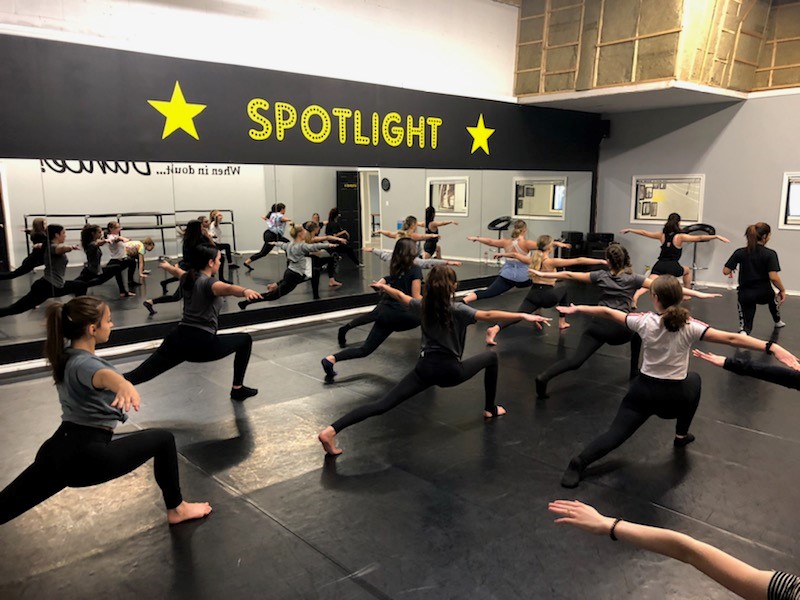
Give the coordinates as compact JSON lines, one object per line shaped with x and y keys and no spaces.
{"x":635,"y":97}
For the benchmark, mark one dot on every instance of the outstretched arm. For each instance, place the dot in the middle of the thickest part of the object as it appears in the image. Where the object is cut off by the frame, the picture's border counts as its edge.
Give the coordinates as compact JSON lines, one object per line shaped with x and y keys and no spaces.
{"x":772,"y":373}
{"x":582,"y":277}
{"x":389,"y":234}
{"x":558,"y":263}
{"x":596,"y":311}
{"x":686,"y":291}
{"x":493,"y":316}
{"x":226,"y":289}
{"x":735,"y":575}
{"x":682,"y":238}
{"x":173,"y":270}
{"x":740,"y":340}
{"x":523,"y":258}
{"x":438,"y":224}
{"x":396,"y":294}
{"x":126,"y":395}
{"x":653,"y":235}
{"x":487,"y":241}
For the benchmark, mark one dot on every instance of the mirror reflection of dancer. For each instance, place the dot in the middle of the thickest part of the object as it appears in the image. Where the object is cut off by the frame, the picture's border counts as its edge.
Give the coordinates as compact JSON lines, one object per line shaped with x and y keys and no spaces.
{"x":389,"y":315}
{"x":299,"y":267}
{"x":665,"y":387}
{"x":119,"y":254}
{"x":52,"y":284}
{"x":733,"y":574}
{"x":93,"y":273}
{"x":323,"y":259}
{"x":773,"y":373}
{"x":543,"y":293}
{"x":444,"y":330}
{"x":334,"y":227}
{"x":672,"y":241}
{"x":758,"y":272}
{"x":215,"y":230}
{"x":195,"y":339}
{"x":276,"y":224}
{"x":618,"y":286}
{"x":431,"y":247}
{"x":513,"y":273}
{"x":94,"y":397}
{"x":408,"y":230}
{"x":38,"y":236}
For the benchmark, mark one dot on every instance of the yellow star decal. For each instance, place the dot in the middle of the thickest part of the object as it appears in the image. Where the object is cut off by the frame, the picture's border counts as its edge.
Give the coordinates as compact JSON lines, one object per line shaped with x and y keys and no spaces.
{"x":179,"y":113}
{"x":480,"y":136}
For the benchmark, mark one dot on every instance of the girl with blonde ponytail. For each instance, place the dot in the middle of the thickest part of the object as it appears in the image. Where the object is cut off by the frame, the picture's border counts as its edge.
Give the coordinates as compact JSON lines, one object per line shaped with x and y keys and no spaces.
{"x":94,"y":397}
{"x":665,"y":387}
{"x":544,"y":293}
{"x":444,"y":329}
{"x":514,"y":272}
{"x":758,"y":273}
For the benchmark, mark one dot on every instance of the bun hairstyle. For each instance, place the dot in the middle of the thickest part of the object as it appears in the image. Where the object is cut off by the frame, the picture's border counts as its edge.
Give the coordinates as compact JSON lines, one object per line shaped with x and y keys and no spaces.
{"x":442,"y":283}
{"x":542,"y":244}
{"x":670,"y":295}
{"x":68,"y":322}
{"x":405,"y":251}
{"x":520,"y":227}
{"x":757,"y":234}
{"x":88,"y":234}
{"x":409,"y":223}
{"x":673,"y":224}
{"x":619,"y":260}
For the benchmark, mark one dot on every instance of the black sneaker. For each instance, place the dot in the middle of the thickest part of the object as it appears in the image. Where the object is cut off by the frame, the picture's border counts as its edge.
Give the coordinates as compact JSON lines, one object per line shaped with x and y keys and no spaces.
{"x":541,"y":388}
{"x":572,"y":476}
{"x":243,"y":393}
{"x":149,"y":306}
{"x":329,"y":372}
{"x":233,"y":266}
{"x":164,"y":291}
{"x":243,"y":304}
{"x":342,"y":336}
{"x":684,"y":441}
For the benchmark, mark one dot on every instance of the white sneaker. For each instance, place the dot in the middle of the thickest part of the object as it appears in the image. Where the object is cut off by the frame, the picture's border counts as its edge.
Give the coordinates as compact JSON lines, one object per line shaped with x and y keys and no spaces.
{"x":742,"y":332}
{"x":780,"y":324}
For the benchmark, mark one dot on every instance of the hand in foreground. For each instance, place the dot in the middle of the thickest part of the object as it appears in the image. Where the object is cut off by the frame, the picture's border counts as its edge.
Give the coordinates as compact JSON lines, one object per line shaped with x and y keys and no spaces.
{"x":126,"y":397}
{"x":377,"y":285}
{"x":707,"y":296}
{"x":535,"y":319}
{"x":714,"y":359}
{"x":723,"y":239}
{"x":472,"y":238}
{"x":627,"y":230}
{"x":568,"y":310}
{"x":165,"y":264}
{"x":786,"y":357}
{"x":582,"y":516}
{"x":251,"y":295}
{"x":453,"y":263}
{"x":536,"y":272}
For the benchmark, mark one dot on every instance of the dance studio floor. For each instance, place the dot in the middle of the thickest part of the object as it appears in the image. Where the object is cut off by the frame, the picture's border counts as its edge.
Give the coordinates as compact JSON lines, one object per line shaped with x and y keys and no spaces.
{"x":427,"y":501}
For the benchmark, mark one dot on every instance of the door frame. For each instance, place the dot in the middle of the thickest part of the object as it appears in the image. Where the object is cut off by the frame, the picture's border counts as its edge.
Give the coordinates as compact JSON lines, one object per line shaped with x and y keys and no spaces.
{"x":364,"y":201}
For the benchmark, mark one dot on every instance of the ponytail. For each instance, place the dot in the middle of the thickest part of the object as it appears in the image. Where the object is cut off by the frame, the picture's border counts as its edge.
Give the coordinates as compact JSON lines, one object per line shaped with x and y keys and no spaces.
{"x":520,"y":227}
{"x":538,"y":255}
{"x":669,"y":292}
{"x":756,"y":234}
{"x":69,"y":322}
{"x":198,"y":259}
{"x":619,"y":260}
{"x":439,"y":289}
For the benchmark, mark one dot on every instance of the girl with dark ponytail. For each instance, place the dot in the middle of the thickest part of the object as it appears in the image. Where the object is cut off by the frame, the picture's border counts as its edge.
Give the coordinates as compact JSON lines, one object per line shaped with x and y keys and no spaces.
{"x":758,"y":273}
{"x":444,"y":329}
{"x":618,"y":286}
{"x":431,"y":247}
{"x":94,"y":398}
{"x":93,"y":273}
{"x":195,"y":338}
{"x":665,"y":387}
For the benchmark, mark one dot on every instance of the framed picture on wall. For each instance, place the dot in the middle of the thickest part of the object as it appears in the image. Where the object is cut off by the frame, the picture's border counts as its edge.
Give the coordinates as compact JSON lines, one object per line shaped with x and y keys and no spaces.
{"x":449,"y":195}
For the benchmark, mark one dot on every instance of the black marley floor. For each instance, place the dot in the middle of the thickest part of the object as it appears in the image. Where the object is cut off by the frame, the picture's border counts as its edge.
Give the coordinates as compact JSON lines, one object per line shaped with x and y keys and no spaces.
{"x":427,"y":501}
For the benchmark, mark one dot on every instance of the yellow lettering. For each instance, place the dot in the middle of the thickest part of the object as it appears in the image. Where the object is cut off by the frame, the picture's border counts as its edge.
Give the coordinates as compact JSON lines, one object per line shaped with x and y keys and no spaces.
{"x":393,"y":135}
{"x":342,"y":114}
{"x":323,"y":133}
{"x":358,"y":137}
{"x":434,"y":123}
{"x":411,"y":131}
{"x":253,"y":107}
{"x":376,"y":129}
{"x":285,"y":118}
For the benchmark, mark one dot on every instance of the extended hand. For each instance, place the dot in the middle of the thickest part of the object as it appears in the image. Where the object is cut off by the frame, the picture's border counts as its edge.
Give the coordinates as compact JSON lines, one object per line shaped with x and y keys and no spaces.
{"x":252,"y":295}
{"x":536,"y":319}
{"x":581,"y":516}
{"x":786,"y":357}
{"x":126,"y":397}
{"x":568,"y":310}
{"x":723,"y":239}
{"x":714,"y":359}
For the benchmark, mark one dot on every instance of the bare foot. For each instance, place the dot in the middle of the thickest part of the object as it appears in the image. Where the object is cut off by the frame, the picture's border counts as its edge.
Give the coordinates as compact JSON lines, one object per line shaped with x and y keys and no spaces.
{"x":327,"y":438}
{"x":334,"y":283}
{"x":563,"y":325}
{"x":491,"y":333}
{"x":500,"y":411}
{"x":187,"y":511}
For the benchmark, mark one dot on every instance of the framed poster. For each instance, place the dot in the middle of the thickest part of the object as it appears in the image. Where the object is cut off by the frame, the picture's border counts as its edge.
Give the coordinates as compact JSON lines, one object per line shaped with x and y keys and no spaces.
{"x":449,"y":195}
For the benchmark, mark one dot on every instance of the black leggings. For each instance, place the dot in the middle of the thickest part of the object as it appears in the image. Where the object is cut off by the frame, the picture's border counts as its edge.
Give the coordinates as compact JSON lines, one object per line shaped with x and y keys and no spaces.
{"x":291,"y":279}
{"x":318,"y":263}
{"x":269,"y":237}
{"x":599,"y":332}
{"x":749,"y":299}
{"x":435,"y":368}
{"x":501,"y":285}
{"x":80,"y":456}
{"x":388,"y":319}
{"x":29,"y":263}
{"x":647,"y":396}
{"x":41,"y":290}
{"x":92,"y":279}
{"x":125,"y":263}
{"x":540,"y":296}
{"x":186,"y":343}
{"x":346,"y":250}
{"x":226,"y":248}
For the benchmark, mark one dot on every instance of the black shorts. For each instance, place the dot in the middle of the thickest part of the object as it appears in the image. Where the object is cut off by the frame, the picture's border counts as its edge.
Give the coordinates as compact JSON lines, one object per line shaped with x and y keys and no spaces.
{"x":667,"y":267}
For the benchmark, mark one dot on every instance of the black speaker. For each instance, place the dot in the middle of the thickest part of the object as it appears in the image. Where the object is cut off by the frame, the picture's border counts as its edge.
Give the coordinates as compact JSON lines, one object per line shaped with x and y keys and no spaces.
{"x":596,"y":244}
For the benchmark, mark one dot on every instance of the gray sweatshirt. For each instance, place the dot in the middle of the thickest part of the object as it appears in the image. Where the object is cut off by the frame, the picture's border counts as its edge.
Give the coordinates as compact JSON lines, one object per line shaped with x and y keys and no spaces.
{"x":297,"y":255}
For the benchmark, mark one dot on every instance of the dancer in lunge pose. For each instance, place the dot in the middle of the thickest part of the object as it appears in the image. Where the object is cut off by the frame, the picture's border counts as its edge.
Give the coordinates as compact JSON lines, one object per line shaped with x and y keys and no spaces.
{"x":444,"y":330}
{"x":543,"y":293}
{"x":195,"y":339}
{"x":93,"y":274}
{"x":38,"y":236}
{"x":299,"y":267}
{"x":323,"y":259}
{"x":784,"y":376}
{"x":276,"y":224}
{"x":758,"y":272}
{"x":513,"y":273}
{"x":665,"y":387}
{"x":215,"y":230}
{"x":94,"y":397}
{"x":389,"y":315}
{"x":136,"y":250}
{"x":618,"y":286}
{"x":334,"y":227}
{"x":52,"y":284}
{"x":733,"y":574}
{"x":672,"y":241}
{"x":431,"y":247}
{"x":119,"y":255}
{"x":408,"y":230}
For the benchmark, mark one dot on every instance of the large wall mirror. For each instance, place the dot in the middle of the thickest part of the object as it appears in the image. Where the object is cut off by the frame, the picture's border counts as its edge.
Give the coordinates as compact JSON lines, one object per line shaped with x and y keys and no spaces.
{"x":153,"y":201}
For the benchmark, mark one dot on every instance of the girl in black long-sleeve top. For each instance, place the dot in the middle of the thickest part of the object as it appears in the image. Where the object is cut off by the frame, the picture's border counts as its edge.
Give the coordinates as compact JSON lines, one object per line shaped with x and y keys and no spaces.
{"x":38,"y":236}
{"x":784,"y":376}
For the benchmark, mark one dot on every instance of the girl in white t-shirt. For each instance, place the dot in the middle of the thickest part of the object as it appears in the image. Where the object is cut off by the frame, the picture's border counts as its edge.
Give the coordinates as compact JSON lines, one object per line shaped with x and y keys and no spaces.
{"x":665,"y":387}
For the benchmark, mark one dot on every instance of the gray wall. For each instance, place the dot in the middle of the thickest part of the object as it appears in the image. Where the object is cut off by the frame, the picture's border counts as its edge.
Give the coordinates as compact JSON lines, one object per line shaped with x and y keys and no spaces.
{"x":742,"y":149}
